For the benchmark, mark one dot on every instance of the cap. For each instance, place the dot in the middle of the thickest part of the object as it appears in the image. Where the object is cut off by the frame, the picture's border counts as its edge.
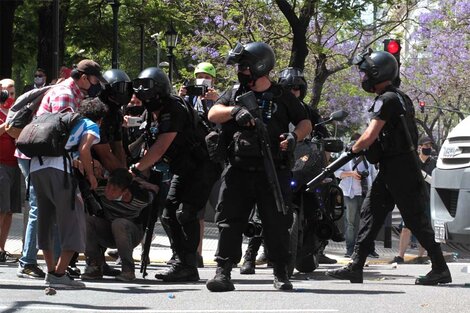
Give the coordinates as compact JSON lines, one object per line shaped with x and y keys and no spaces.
{"x":90,"y":67}
{"x":424,"y":140}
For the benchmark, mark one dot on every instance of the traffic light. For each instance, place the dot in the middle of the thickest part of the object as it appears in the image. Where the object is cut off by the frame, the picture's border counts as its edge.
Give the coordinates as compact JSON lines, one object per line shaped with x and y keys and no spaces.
{"x":422,"y":105}
{"x":393,"y":46}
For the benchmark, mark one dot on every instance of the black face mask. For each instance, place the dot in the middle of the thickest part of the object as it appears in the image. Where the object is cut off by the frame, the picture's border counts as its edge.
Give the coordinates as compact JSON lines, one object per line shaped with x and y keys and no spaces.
{"x":367,"y":86}
{"x":94,"y":90}
{"x":244,"y":79}
{"x":426,"y":151}
{"x":153,"y":104}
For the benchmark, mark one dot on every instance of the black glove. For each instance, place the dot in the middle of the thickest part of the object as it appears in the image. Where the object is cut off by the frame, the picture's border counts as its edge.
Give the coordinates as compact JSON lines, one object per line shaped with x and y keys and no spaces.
{"x":291,"y":140}
{"x":241,"y":115}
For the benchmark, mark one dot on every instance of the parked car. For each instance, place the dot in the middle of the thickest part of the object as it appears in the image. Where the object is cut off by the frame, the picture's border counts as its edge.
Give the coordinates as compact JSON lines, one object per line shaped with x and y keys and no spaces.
{"x":450,"y":190}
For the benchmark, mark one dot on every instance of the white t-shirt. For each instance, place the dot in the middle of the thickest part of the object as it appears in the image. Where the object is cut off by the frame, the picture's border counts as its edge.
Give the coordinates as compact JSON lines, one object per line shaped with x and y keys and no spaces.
{"x":84,"y":127}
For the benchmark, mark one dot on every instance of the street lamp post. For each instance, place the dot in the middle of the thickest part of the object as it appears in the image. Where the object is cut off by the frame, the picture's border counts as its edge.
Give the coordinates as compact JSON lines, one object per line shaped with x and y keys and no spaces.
{"x":115,"y":5}
{"x":171,"y":38}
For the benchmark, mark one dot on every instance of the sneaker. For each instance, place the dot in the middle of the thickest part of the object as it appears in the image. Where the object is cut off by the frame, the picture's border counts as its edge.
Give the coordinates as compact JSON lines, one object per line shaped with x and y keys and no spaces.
{"x":74,"y":271}
{"x":92,"y":273}
{"x":398,"y":259}
{"x":30,"y":271}
{"x":6,"y":257}
{"x":126,"y":276}
{"x":347,"y":255}
{"x":374,"y":255}
{"x":64,"y":281}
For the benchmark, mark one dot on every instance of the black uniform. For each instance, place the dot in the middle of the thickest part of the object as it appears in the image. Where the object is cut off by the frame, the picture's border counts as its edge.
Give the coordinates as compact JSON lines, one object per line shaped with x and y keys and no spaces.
{"x":399,"y":181}
{"x":194,"y":175}
{"x":111,"y":126}
{"x":244,"y":181}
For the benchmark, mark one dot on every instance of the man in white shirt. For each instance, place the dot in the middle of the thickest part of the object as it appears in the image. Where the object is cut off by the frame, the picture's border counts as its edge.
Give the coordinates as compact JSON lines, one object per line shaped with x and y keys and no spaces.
{"x":356,"y":178}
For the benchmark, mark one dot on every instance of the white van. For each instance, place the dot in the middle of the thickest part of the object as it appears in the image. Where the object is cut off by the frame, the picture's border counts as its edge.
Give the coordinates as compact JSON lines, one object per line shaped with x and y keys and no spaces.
{"x":450,"y":190}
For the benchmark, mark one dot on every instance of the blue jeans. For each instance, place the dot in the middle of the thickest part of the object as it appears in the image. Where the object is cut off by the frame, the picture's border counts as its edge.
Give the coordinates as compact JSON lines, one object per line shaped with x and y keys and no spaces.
{"x":353,"y":209}
{"x":30,"y":250}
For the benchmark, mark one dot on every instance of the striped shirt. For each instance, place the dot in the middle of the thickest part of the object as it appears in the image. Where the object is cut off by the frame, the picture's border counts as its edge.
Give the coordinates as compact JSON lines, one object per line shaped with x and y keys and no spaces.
{"x":84,"y":127}
{"x":128,"y":210}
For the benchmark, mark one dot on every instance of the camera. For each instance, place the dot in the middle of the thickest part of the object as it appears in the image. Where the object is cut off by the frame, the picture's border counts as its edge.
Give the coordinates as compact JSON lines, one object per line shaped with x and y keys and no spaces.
{"x":196,"y":90}
{"x":4,"y":94}
{"x":134,"y":121}
{"x":364,"y":174}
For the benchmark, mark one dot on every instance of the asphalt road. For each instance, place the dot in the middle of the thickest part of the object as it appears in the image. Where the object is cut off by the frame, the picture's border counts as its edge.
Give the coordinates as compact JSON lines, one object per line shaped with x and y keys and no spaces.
{"x":385,"y":289}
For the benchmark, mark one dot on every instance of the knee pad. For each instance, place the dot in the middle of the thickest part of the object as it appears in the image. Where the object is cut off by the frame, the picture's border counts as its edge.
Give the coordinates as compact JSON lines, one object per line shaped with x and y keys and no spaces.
{"x":186,"y":213}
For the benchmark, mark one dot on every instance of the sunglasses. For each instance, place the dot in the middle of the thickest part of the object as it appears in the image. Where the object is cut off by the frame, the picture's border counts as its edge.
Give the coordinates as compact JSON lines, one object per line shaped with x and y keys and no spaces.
{"x":296,"y":88}
{"x":38,"y":75}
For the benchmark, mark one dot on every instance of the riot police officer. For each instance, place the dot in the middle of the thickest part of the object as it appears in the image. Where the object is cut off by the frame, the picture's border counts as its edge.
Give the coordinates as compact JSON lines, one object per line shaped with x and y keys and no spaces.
{"x":244,"y":180}
{"x":180,"y":143}
{"x":117,"y":92}
{"x":390,"y":139}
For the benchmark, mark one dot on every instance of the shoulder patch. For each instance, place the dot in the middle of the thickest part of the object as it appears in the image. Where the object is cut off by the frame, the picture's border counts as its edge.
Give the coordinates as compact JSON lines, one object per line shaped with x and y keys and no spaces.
{"x":377,"y":105}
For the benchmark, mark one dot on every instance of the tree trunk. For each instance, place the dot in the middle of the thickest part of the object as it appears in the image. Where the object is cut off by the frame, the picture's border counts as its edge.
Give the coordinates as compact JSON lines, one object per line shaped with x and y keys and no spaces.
{"x":321,"y":75}
{"x":7,"y":15}
{"x":45,"y":57}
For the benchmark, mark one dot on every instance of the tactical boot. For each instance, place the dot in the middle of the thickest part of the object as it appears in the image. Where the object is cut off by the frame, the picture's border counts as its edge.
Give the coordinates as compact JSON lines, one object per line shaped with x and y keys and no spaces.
{"x":221,"y":281}
{"x":180,"y":273}
{"x":435,"y":277}
{"x":281,"y":279}
{"x":347,"y":273}
{"x":248,"y":267}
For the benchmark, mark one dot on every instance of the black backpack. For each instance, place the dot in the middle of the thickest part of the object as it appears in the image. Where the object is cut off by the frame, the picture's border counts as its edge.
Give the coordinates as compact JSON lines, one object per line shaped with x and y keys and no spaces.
{"x":23,"y":110}
{"x":47,"y":134}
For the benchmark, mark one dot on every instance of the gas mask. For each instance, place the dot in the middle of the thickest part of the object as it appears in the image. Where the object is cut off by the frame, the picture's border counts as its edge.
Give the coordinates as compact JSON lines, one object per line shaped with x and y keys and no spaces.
{"x":366,"y":82}
{"x":245,"y":79}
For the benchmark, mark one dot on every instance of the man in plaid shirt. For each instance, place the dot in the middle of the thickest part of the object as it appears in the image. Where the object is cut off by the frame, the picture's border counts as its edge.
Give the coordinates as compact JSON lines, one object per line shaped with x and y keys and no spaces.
{"x":66,"y":96}
{"x":85,"y":80}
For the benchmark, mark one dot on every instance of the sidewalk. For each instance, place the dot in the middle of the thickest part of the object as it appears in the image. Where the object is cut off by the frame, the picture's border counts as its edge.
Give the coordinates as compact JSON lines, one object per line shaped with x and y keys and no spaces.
{"x":160,"y":250}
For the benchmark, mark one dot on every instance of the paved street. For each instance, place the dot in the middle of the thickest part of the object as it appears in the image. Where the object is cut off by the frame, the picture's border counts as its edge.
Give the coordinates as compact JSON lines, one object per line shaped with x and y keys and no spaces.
{"x":385,"y":288}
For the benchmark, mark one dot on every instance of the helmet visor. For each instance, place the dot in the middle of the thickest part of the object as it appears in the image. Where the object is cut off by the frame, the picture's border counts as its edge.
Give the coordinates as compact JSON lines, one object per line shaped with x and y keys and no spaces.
{"x":143,"y":84}
{"x":121,"y":87}
{"x":235,"y":54}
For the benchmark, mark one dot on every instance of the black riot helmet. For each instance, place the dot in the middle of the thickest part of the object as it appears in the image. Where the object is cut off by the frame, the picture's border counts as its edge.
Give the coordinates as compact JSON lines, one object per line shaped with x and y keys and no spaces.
{"x":378,"y":66}
{"x":118,"y":88}
{"x":152,"y":87}
{"x":258,"y":56}
{"x":293,"y":78}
